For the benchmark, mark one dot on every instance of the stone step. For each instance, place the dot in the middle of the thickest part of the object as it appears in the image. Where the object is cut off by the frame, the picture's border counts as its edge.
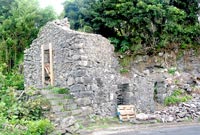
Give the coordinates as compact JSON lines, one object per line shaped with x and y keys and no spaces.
{"x":57,"y":108}
{"x":44,"y":92}
{"x":76,"y":113}
{"x":55,"y":96}
{"x":61,"y":101}
{"x":50,"y":95}
{"x":58,"y":131}
{"x":70,"y":107}
{"x":62,"y":114}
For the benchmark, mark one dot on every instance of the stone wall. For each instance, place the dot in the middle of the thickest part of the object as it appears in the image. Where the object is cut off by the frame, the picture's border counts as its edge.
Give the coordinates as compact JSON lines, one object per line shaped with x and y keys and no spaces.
{"x":86,"y":64}
{"x":171,"y":71}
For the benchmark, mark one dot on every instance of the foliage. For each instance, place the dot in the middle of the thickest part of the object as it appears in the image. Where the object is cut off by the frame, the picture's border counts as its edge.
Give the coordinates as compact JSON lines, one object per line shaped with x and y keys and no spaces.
{"x":60,"y":90}
{"x":4,"y":10}
{"x":172,"y":70}
{"x":123,"y":71}
{"x":76,"y":10}
{"x":11,"y":79}
{"x":125,"y":61}
{"x":23,"y":109}
{"x":138,"y":26}
{"x":177,"y":97}
{"x":40,"y":127}
{"x":15,"y":79}
{"x":19,"y":25}
{"x":2,"y":75}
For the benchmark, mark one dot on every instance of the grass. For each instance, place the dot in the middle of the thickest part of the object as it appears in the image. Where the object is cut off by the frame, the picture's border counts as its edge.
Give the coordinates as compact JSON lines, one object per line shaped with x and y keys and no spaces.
{"x":58,"y":90}
{"x":125,"y":61}
{"x":123,"y":71}
{"x":177,"y":96}
{"x":172,"y":71}
{"x":68,"y":96}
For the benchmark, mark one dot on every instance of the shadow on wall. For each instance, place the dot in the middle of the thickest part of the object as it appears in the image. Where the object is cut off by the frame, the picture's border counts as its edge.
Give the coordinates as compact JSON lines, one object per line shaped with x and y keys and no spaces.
{"x":122,"y":98}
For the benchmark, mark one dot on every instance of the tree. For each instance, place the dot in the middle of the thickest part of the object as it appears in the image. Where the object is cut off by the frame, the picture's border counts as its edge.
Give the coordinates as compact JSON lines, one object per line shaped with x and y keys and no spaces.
{"x":20,"y":28}
{"x":139,"y":25}
{"x":78,"y":14}
{"x":5,"y":9}
{"x":190,"y":7}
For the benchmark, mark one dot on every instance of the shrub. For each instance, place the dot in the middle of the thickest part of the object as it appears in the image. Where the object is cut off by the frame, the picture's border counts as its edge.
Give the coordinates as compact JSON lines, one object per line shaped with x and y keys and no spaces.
{"x":177,"y":96}
{"x":39,"y":127}
{"x":22,"y":110}
{"x":15,"y":79}
{"x":11,"y":79}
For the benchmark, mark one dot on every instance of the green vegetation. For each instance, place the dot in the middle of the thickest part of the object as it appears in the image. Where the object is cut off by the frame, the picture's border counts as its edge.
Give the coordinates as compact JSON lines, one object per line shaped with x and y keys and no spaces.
{"x":58,"y":90}
{"x":177,"y":96}
{"x":138,"y":26}
{"x":123,"y":71}
{"x":10,"y":79}
{"x":21,"y":110}
{"x":20,"y":21}
{"x":172,"y":70}
{"x":39,"y":127}
{"x":133,"y":27}
{"x":125,"y":61}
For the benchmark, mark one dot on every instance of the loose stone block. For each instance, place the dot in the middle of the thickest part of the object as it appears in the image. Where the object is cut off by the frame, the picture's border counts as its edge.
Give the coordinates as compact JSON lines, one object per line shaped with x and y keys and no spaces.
{"x":70,"y":81}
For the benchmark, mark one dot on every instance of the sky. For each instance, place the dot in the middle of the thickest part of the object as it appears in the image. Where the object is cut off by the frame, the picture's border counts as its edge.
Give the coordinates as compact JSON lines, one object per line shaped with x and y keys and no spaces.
{"x":57,"y":4}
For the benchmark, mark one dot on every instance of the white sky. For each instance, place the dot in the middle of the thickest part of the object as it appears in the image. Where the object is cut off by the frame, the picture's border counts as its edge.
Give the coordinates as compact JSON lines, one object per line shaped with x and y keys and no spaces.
{"x":57,"y":4}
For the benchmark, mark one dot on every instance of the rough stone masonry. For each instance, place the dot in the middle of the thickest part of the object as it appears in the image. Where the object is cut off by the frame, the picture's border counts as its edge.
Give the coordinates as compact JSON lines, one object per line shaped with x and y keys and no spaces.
{"x":86,"y":65}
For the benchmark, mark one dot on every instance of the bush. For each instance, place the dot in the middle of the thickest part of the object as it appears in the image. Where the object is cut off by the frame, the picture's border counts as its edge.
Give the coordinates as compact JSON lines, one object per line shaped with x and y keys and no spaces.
{"x":39,"y":127}
{"x":15,"y":79}
{"x":11,"y":79}
{"x":22,"y":112}
{"x":177,"y":96}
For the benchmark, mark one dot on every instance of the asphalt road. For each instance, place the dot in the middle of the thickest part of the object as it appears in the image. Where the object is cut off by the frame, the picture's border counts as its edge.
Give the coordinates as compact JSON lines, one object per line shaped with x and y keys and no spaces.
{"x":180,"y":130}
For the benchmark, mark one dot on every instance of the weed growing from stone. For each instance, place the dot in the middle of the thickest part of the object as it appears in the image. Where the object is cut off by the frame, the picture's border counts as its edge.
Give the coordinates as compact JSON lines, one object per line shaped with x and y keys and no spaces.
{"x":58,"y":90}
{"x":123,"y":71}
{"x":177,"y":96}
{"x":172,"y":71}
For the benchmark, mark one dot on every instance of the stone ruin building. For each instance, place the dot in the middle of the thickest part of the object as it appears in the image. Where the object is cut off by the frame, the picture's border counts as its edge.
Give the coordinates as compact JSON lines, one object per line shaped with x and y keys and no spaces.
{"x":85,"y":64}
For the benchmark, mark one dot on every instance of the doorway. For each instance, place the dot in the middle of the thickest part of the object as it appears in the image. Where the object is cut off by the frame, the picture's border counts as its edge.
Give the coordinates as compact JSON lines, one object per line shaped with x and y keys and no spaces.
{"x":47,"y":65}
{"x":121,"y":94}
